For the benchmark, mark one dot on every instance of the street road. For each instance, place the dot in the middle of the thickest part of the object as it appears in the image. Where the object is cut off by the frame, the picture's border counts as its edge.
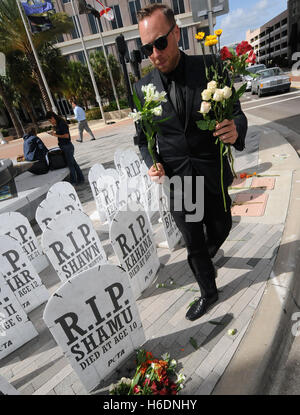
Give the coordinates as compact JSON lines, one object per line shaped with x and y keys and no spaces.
{"x":283,"y":108}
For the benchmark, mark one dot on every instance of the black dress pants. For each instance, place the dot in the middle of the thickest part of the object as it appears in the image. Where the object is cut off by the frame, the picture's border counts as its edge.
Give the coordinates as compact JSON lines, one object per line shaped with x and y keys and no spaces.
{"x":202,"y":245}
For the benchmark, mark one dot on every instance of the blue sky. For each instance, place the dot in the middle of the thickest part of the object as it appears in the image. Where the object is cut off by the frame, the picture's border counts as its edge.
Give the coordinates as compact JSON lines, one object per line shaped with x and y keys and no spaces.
{"x":247,"y":14}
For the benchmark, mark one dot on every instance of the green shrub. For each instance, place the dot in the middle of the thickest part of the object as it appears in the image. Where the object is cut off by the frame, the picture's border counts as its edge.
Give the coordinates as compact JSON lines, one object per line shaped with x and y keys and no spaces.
{"x":93,"y":114}
{"x":113,"y":105}
{"x":4,"y":132}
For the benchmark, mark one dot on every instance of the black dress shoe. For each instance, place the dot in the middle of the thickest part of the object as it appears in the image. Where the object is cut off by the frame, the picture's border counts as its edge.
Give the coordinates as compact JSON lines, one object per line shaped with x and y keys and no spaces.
{"x":200,"y":307}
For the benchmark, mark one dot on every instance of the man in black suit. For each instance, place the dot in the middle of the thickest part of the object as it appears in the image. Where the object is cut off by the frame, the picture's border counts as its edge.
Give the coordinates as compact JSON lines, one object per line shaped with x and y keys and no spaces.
{"x":183,"y":150}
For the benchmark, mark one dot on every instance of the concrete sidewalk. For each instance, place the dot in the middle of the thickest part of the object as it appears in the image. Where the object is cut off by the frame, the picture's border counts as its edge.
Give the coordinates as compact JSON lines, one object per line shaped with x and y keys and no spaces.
{"x":246,"y":277}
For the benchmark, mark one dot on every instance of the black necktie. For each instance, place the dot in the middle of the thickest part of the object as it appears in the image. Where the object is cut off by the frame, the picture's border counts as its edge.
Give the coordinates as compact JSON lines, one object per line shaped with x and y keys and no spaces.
{"x":176,"y":98}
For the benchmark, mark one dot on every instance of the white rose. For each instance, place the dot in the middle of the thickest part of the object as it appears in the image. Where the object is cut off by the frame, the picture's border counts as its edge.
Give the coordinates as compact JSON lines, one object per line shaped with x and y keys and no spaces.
{"x":206,"y":94}
{"x":135,"y":115}
{"x":157,"y":110}
{"x":205,"y":107}
{"x":218,"y":95}
{"x":227,"y":92}
{"x":212,"y":86}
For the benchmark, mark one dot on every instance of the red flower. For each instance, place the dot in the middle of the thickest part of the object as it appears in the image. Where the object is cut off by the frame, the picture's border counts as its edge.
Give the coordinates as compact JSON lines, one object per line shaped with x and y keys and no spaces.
{"x":163,"y":391}
{"x":136,"y":389}
{"x":251,"y":57}
{"x":243,"y":175}
{"x":147,"y":382}
{"x":225,"y":53}
{"x":243,"y":48}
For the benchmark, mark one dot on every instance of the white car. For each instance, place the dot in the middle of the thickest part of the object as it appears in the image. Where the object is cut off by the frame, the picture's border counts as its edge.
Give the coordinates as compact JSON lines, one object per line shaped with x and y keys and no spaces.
{"x":252,"y":69}
{"x":270,"y":80}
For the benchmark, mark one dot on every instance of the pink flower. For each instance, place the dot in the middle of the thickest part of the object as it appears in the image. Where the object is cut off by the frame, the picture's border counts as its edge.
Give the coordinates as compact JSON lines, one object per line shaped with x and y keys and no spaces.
{"x":136,"y":389}
{"x":225,"y":53}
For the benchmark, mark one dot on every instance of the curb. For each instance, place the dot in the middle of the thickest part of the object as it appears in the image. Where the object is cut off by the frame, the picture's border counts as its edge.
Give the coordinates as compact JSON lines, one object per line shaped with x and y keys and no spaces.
{"x":251,"y":370}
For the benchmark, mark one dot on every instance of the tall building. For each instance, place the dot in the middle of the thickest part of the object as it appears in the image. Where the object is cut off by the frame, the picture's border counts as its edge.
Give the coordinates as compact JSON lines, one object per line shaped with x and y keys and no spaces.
{"x":125,"y":22}
{"x":270,"y":41}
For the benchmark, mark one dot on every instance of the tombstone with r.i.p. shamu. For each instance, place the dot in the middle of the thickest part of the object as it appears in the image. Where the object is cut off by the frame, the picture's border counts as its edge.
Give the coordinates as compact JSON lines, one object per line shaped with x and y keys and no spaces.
{"x":72,"y":244}
{"x":94,"y":319}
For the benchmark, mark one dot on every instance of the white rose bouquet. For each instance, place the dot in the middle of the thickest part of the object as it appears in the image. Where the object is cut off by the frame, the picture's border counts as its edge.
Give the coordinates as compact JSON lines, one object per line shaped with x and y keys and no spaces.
{"x":219,"y":98}
{"x":144,"y":114}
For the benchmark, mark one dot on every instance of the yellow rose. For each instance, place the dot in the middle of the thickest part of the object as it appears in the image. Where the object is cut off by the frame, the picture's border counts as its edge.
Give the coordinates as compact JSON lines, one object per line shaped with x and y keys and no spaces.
{"x":218,"y":32}
{"x":200,"y":35}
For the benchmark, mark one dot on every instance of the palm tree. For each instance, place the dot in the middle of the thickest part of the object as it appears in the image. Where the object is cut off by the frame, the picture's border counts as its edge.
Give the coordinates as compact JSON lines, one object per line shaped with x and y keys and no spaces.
{"x":7,"y":101}
{"x":13,"y":38}
{"x":102,"y":75}
{"x":77,"y":83}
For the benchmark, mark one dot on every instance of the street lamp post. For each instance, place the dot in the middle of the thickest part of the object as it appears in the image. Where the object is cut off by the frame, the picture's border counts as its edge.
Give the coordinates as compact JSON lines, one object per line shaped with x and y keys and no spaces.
{"x":98,"y":98}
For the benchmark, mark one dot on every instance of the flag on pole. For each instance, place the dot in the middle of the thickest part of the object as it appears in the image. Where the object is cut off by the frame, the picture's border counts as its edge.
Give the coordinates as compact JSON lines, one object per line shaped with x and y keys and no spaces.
{"x":39,"y":23}
{"x":37,"y":6}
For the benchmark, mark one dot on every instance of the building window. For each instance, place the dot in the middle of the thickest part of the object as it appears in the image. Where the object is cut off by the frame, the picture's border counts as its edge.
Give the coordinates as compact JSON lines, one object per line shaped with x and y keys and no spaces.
{"x":117,"y":22}
{"x":184,"y":43}
{"x":178,"y":6}
{"x":75,"y":32}
{"x":66,"y":1}
{"x":94,"y":24}
{"x":284,"y":21}
{"x":134,"y":7}
{"x":81,"y":57}
{"x":155,"y":1}
{"x":284,"y":33}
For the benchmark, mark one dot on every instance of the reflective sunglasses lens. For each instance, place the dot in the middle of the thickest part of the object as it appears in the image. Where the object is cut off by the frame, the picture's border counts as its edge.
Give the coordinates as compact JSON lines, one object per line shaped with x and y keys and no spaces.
{"x":147,"y":49}
{"x":161,"y":43}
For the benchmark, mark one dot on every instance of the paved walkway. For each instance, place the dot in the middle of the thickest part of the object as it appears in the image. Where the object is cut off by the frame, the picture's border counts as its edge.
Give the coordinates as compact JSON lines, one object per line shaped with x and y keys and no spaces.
{"x":244,"y":266}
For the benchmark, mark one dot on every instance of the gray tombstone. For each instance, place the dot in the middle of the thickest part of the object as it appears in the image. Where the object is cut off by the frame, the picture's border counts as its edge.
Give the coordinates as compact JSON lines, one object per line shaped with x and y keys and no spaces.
{"x":15,"y":327}
{"x":72,"y":244}
{"x":6,"y":388}
{"x":94,"y":319}
{"x":133,"y":243}
{"x":53,"y":206}
{"x":64,"y":188}
{"x":20,"y":275}
{"x":16,"y":225}
{"x":94,"y":173}
{"x":117,"y":157}
{"x":171,"y":231}
{"x":149,"y":191}
{"x":131,"y":168}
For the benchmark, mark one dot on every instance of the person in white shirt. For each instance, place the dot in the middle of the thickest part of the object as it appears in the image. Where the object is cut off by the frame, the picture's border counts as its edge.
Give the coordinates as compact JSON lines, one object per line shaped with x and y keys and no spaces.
{"x":82,"y":122}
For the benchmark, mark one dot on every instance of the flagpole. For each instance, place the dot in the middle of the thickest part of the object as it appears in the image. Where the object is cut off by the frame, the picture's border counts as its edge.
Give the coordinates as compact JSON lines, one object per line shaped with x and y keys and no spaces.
{"x":98,"y":98}
{"x":54,"y":109}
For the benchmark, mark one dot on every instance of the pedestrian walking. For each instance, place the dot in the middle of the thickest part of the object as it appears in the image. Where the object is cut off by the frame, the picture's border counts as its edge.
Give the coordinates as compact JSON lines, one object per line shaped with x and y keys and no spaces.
{"x":61,"y":131}
{"x":183,"y":150}
{"x":82,"y":122}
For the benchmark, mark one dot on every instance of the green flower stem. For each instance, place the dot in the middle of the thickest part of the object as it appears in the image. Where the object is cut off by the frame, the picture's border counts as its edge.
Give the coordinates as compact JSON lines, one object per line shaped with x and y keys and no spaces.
{"x":222,"y":184}
{"x":231,"y":161}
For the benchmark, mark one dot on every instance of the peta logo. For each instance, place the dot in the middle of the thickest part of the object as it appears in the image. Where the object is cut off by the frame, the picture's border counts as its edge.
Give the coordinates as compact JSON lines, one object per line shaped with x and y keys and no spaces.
{"x":296,"y":65}
{"x":2,"y":325}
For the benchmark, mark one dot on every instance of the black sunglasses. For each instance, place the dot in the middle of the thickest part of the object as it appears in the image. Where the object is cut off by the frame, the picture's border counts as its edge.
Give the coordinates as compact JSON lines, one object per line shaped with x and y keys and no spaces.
{"x":160,"y":43}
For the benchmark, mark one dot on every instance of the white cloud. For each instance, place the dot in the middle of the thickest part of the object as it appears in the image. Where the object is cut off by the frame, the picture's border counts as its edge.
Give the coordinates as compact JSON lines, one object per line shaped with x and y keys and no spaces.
{"x":237,"y":22}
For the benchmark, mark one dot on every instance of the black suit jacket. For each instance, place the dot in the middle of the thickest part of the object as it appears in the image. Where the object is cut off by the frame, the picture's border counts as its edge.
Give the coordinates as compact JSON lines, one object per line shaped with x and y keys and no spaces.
{"x":185,"y":149}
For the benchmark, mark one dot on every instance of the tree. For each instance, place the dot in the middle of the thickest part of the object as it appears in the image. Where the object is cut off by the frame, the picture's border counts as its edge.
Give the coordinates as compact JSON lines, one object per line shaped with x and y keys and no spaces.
{"x":99,"y":66}
{"x":13,"y":38}
{"x":8,"y":104}
{"x":77,"y":84}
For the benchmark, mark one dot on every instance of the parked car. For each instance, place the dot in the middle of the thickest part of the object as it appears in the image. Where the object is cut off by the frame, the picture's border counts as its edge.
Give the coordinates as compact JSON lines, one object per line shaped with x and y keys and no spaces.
{"x":270,"y":80}
{"x":252,"y":69}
